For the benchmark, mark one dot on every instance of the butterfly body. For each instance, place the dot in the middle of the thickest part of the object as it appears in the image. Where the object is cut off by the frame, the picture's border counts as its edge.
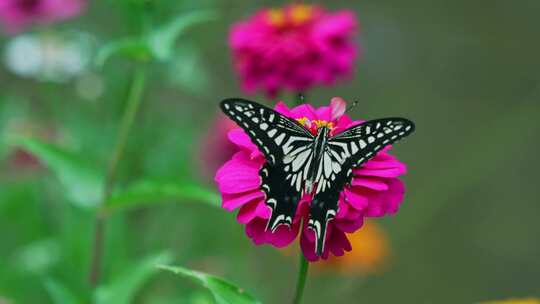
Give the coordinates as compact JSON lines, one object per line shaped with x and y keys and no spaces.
{"x":300,"y":162}
{"x":319,"y":148}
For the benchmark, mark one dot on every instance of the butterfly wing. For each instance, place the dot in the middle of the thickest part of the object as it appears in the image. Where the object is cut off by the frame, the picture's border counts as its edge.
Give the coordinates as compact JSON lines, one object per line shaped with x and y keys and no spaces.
{"x":283,"y":142}
{"x":345,"y":151}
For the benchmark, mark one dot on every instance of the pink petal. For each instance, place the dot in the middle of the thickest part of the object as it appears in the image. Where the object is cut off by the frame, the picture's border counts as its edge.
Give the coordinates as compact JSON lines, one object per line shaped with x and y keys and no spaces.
{"x":304,"y":110}
{"x":282,"y":109}
{"x":388,"y":172}
{"x":233,"y":201}
{"x":338,"y":106}
{"x":343,"y":207}
{"x":340,"y":23}
{"x":343,"y":123}
{"x":390,"y":162}
{"x":353,"y":215}
{"x":349,"y":226}
{"x":252,"y":210}
{"x":308,"y":246}
{"x":324,"y":113}
{"x":238,"y":175}
{"x":356,"y":199}
{"x":387,"y":202}
{"x":369,"y":182}
{"x":242,"y":140}
{"x":238,"y":161}
{"x":283,"y":236}
{"x":338,"y":243}
{"x":238,"y":183}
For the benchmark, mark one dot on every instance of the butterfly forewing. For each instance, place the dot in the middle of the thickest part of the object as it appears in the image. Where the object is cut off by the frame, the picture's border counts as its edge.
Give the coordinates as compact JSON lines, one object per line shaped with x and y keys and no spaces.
{"x":360,"y":143}
{"x":283,"y":142}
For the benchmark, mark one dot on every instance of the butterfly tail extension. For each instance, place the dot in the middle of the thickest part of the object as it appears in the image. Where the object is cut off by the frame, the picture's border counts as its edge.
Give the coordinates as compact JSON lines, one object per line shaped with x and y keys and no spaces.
{"x":278,"y":217}
{"x":323,"y":209}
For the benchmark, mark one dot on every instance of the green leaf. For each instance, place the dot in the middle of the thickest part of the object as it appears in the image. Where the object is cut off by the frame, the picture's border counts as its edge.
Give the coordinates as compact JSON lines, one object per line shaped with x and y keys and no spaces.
{"x":38,"y":256}
{"x":187,"y":70}
{"x":158,"y":44}
{"x":162,"y":40}
{"x":148,"y":192}
{"x":133,"y":48}
{"x":59,"y":293}
{"x":124,"y":287}
{"x":14,"y":115}
{"x":223,"y":291}
{"x":81,"y":181}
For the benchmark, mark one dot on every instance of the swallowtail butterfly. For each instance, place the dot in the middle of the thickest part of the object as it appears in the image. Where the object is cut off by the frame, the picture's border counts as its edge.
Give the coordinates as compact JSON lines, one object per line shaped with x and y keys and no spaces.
{"x":299,"y":162}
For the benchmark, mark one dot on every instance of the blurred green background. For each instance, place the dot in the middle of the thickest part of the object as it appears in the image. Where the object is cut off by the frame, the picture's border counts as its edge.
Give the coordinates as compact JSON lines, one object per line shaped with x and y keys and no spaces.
{"x":465,"y":71}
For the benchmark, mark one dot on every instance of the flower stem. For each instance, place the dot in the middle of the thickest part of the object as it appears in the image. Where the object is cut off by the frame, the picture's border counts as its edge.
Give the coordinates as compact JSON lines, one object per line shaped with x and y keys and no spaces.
{"x":303,"y":263}
{"x":133,"y":102}
{"x":302,"y":276}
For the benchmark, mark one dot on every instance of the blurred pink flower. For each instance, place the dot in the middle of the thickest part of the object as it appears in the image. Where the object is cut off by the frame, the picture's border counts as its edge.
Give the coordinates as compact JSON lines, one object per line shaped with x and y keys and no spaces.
{"x":16,"y":15}
{"x":375,"y":190}
{"x":294,"y":48}
{"x":216,"y":148}
{"x":20,"y":158}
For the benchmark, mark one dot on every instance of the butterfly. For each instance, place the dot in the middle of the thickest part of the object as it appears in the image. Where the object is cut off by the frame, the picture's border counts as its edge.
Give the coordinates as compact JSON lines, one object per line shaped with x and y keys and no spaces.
{"x":300,"y":162}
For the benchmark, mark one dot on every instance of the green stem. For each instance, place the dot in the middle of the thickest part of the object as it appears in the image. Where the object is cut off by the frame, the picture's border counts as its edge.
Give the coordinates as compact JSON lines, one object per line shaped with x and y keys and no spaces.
{"x":302,"y":276}
{"x":134,"y":100}
{"x":303,"y":263}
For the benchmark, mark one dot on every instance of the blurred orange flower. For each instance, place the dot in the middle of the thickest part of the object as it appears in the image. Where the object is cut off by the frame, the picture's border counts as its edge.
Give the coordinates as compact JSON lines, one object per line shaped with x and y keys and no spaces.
{"x":515,"y":301}
{"x":370,"y":252}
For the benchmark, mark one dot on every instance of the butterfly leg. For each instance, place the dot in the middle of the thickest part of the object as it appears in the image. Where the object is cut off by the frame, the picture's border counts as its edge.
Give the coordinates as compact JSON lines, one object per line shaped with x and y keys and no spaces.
{"x":323,"y":208}
{"x":281,"y":197}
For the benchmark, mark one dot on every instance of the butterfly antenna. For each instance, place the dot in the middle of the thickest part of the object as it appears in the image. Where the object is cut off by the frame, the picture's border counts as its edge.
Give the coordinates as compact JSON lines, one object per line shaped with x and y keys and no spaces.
{"x":300,"y":98}
{"x":354,"y":104}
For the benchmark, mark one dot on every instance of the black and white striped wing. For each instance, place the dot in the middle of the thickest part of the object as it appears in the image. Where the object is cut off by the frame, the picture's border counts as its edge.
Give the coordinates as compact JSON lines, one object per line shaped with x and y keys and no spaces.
{"x":286,"y":146}
{"x":345,"y":151}
{"x":360,"y":143}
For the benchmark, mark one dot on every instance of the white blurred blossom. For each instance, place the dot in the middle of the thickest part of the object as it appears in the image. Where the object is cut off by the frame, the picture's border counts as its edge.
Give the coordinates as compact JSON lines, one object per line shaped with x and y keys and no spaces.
{"x":48,"y":57}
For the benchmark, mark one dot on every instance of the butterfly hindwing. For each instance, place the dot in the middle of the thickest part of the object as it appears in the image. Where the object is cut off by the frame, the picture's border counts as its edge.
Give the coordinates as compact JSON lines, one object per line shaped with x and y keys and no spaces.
{"x":281,"y":197}
{"x":282,"y":141}
{"x":345,"y":151}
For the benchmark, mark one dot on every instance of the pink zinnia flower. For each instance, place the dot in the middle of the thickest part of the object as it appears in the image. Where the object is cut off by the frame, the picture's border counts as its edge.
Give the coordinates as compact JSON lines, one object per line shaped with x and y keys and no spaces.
{"x":294,"y":48}
{"x":16,"y":15}
{"x":374,"y":191}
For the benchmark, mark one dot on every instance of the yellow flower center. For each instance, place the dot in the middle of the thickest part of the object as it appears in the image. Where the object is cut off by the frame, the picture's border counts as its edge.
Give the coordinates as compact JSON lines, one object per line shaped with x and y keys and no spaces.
{"x":314,"y":125}
{"x":276,"y":17}
{"x":303,"y":121}
{"x":323,"y":123}
{"x":295,"y":15}
{"x":301,"y":13}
